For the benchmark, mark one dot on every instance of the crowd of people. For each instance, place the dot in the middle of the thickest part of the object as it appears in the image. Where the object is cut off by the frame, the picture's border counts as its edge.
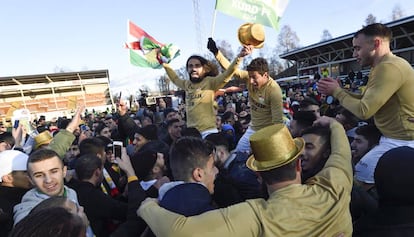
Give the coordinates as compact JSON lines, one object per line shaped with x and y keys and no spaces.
{"x":272,"y":161}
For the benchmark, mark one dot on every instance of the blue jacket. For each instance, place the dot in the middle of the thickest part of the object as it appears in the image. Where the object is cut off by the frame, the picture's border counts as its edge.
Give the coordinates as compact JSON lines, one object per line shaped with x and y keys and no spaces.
{"x":235,"y":182}
{"x":187,"y":199}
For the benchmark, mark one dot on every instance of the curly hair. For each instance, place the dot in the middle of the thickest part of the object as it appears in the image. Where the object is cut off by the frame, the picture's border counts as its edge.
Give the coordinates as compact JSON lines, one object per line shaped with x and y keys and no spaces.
{"x":210,"y":68}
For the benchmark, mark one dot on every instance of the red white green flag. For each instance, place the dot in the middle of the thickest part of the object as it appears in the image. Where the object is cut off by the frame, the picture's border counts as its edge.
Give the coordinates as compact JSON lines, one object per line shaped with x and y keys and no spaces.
{"x":265,"y":12}
{"x":145,"y":51}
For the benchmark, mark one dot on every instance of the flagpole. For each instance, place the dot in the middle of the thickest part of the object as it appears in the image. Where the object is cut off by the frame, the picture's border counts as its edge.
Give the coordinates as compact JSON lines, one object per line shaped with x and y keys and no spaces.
{"x":214,"y":23}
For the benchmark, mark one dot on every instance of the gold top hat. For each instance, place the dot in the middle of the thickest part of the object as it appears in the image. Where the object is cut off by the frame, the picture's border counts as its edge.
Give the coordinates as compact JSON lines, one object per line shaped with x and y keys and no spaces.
{"x":252,"y":34}
{"x":43,"y":138}
{"x":273,"y":147}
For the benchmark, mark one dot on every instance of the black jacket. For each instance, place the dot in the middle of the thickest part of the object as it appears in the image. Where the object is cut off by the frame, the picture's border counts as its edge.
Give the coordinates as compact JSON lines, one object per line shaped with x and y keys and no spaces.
{"x":387,"y":222}
{"x":187,"y":199}
{"x":236,"y":183}
{"x":100,"y":208}
{"x":9,"y":197}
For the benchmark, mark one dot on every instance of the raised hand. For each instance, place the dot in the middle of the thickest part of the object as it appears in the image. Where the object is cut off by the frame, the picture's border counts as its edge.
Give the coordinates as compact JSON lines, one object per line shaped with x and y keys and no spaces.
{"x":211,"y":45}
{"x":246,"y":50}
{"x":122,"y":107}
{"x":76,"y":119}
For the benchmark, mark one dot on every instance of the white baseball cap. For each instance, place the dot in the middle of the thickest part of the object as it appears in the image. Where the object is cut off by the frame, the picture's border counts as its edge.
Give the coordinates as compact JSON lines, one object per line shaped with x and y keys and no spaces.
{"x":12,"y":160}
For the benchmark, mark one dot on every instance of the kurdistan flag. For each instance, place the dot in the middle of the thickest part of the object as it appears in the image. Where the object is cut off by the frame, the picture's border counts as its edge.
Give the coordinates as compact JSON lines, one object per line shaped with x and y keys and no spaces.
{"x":145,"y":51}
{"x":265,"y":12}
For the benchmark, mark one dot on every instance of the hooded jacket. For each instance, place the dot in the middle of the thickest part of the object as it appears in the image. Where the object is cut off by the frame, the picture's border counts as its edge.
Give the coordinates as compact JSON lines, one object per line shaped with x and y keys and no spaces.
{"x":34,"y":197}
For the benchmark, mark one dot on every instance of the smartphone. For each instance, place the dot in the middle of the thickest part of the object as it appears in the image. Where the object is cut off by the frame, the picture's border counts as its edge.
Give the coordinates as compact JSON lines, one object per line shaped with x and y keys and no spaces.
{"x":83,"y":128}
{"x":16,"y":123}
{"x":117,"y":145}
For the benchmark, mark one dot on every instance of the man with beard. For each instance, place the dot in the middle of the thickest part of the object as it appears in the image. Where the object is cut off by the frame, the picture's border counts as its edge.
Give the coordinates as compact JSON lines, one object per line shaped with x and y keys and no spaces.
{"x":320,"y":207}
{"x":200,"y":89}
{"x":366,"y":138}
{"x":388,"y":96}
{"x":265,"y":95}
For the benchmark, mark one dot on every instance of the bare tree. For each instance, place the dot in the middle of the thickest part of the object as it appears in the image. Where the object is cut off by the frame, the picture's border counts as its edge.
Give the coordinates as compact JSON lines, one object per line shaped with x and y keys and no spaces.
{"x":275,"y":66}
{"x":182,"y":72}
{"x":59,"y":69}
{"x":371,"y":19}
{"x":288,"y":39}
{"x":326,"y":35}
{"x":397,"y":13}
{"x":163,"y":84}
{"x":225,"y":48}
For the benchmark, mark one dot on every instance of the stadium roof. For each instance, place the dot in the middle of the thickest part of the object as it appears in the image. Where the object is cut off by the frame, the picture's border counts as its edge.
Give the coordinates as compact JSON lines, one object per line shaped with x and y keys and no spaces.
{"x":340,"y":48}
{"x":52,"y":77}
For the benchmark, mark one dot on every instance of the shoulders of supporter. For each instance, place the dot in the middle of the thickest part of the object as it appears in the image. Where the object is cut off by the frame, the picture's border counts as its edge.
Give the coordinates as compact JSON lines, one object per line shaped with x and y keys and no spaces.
{"x":187,"y":199}
{"x":182,"y":188}
{"x":241,"y":156}
{"x":396,"y":61}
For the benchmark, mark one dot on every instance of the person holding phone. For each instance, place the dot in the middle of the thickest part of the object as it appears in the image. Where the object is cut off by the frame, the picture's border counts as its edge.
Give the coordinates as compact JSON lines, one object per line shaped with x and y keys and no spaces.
{"x":387,"y":98}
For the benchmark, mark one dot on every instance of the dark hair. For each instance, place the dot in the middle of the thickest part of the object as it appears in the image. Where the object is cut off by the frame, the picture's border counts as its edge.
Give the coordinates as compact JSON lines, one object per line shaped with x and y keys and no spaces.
{"x":369,"y":132}
{"x":218,"y":139}
{"x":8,"y":138}
{"x":169,"y":110}
{"x":107,"y":142}
{"x":75,"y":142}
{"x":210,"y":68}
{"x":226,"y":116}
{"x":376,"y":29}
{"x":283,"y":173}
{"x":148,"y":117}
{"x":149,"y":132}
{"x":42,"y":154}
{"x":304,"y":119}
{"x":99,"y":128}
{"x":91,"y":145}
{"x":187,"y":154}
{"x":50,"y":222}
{"x":143,"y":162}
{"x":171,"y":122}
{"x":393,"y":176}
{"x":350,"y":118}
{"x":307,"y":101}
{"x":149,"y":150}
{"x":157,"y":146}
{"x":191,"y":132}
{"x":86,"y":166}
{"x":56,"y":201}
{"x":323,"y":132}
{"x":62,"y":123}
{"x":258,"y":64}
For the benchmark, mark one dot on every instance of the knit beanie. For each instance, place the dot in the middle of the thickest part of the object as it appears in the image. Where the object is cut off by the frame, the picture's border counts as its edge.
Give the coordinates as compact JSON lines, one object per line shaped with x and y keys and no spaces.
{"x":149,"y":132}
{"x":143,"y":162}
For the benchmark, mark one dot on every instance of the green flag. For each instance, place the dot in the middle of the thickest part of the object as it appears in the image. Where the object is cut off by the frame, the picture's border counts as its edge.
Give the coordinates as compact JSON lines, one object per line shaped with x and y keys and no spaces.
{"x":265,"y":12}
{"x":145,"y":51}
